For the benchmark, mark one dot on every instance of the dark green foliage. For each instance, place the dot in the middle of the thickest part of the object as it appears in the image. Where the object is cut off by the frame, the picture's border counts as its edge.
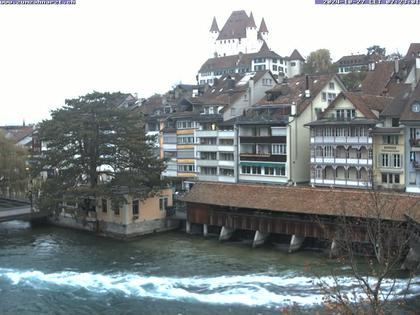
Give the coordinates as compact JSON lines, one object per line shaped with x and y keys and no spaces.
{"x":89,"y":139}
{"x":353,"y":80}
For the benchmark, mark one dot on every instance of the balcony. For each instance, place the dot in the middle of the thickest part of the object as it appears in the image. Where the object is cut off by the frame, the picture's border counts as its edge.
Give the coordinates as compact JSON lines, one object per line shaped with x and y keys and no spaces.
{"x":341,"y":140}
{"x":215,"y":133}
{"x":347,"y":161}
{"x":262,"y":139}
{"x":341,"y":182}
{"x":202,"y":162}
{"x":415,"y":142}
{"x":415,"y":165}
{"x":263,"y":157}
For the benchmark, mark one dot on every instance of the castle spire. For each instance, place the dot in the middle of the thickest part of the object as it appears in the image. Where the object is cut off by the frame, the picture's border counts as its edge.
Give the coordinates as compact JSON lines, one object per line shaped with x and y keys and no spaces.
{"x":251,"y":21}
{"x":214,"y":27}
{"x":263,"y":27}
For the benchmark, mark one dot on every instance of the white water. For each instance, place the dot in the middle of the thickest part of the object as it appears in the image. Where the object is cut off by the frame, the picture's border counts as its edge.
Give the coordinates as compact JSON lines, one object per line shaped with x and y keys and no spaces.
{"x":249,"y":290}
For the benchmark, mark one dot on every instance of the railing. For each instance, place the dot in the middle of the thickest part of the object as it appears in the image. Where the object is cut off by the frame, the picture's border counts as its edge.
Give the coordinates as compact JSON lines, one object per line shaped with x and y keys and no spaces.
{"x":344,"y":139}
{"x":341,"y":182}
{"x":336,"y":160}
{"x":414,"y":142}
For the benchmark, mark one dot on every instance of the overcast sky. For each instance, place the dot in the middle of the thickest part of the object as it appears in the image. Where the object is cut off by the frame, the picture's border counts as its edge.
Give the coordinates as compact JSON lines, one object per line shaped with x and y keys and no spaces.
{"x":50,"y":53}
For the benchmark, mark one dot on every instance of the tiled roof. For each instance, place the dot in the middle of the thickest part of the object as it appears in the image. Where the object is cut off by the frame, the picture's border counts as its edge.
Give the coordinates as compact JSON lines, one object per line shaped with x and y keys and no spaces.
{"x":304,"y":200}
{"x":402,"y":92}
{"x":235,"y":26}
{"x":353,"y":60}
{"x":296,"y":55}
{"x":237,"y":61}
{"x":293,"y":92}
{"x":17,"y":133}
{"x":413,"y":51}
{"x":376,"y":81}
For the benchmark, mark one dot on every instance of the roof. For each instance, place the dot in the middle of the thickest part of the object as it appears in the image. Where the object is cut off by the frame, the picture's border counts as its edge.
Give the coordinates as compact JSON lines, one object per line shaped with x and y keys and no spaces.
{"x":17,"y":133}
{"x":352,"y":60}
{"x":413,"y":51}
{"x":376,"y":81}
{"x":397,"y":105}
{"x":365,"y":103}
{"x":293,"y":92}
{"x":296,"y":55}
{"x":214,"y":27}
{"x":236,"y":24}
{"x":408,"y":115}
{"x":237,"y":61}
{"x":263,"y":27}
{"x":319,"y":201}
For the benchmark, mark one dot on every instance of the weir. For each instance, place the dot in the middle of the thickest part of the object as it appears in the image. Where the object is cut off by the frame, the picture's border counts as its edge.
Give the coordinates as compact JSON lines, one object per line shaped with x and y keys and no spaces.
{"x":226,"y":233}
{"x":259,"y":238}
{"x":296,"y":243}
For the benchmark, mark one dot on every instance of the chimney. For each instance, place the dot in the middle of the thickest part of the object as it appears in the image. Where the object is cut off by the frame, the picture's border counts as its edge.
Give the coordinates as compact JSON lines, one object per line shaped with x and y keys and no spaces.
{"x":396,"y":66}
{"x":307,"y":90}
{"x":251,"y":90}
{"x":293,"y":109}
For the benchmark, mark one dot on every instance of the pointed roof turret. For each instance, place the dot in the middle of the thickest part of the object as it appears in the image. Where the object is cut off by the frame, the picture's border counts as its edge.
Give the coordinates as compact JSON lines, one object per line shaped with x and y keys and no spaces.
{"x":296,"y":56}
{"x":263,"y":27}
{"x":264,"y":47}
{"x":214,"y":27}
{"x":251,"y":21}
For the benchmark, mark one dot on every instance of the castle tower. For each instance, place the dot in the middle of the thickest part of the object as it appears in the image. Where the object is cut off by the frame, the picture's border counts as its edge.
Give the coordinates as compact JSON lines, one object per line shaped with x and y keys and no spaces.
{"x":214,"y":33}
{"x":251,"y":35}
{"x":263,"y":31}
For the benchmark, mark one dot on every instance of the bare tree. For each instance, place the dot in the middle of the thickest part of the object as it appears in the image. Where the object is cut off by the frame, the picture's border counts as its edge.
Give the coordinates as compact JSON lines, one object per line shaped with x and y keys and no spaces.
{"x":372,"y":244}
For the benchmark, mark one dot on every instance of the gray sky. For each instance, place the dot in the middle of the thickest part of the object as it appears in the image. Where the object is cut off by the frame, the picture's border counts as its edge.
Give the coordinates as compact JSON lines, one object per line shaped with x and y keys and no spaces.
{"x":50,"y":53}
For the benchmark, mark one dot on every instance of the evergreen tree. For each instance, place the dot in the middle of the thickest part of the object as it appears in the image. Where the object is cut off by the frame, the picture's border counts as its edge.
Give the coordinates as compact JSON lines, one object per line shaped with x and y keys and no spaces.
{"x":96,"y":149}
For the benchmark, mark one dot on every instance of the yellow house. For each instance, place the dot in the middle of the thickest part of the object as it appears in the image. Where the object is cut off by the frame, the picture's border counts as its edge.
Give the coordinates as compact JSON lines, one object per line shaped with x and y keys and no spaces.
{"x":136,"y":217}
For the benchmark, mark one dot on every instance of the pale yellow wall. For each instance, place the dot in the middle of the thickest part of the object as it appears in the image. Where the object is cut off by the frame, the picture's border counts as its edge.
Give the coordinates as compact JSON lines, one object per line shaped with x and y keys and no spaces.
{"x":379,"y":148}
{"x":343,"y":104}
{"x":148,"y":209}
{"x":299,"y":137}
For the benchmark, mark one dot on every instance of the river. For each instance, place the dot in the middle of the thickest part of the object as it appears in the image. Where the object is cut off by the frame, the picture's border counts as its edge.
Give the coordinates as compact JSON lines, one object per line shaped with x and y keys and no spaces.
{"x":49,"y":270}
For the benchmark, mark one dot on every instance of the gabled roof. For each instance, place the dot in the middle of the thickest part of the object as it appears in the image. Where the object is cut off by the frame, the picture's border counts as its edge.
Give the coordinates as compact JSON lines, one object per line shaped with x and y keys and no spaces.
{"x":263,"y":27}
{"x":17,"y":133}
{"x":296,"y":55}
{"x":293,"y":91}
{"x":413,"y":51}
{"x":235,"y":26}
{"x":364,"y":103}
{"x":214,"y":27}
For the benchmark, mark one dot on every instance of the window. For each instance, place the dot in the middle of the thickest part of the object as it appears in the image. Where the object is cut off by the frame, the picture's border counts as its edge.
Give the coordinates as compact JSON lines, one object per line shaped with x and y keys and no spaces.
{"x":345,"y":114}
{"x":331,"y":86}
{"x":390,"y":139}
{"x":395,"y":122}
{"x":274,"y":60}
{"x":206,"y":140}
{"x":163,"y":203}
{"x":135,"y":208}
{"x":396,"y":160}
{"x":184,"y":124}
{"x":104,"y":205}
{"x":324,"y":96}
{"x":226,"y":156}
{"x":274,"y":67}
{"x":384,"y":160}
{"x":389,"y":178}
{"x":116,"y":208}
{"x":278,"y":149}
{"x":268,"y":170}
{"x":245,"y":97}
{"x":186,"y":168}
{"x":204,"y":170}
{"x":227,"y":172}
{"x":254,"y":170}
{"x":226,"y":141}
{"x":208,"y":156}
{"x":185,"y":139}
{"x":275,"y":171}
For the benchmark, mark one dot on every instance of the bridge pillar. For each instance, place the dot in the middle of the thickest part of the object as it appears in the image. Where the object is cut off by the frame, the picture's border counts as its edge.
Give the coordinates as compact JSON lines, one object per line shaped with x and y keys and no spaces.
{"x":334,"y":252}
{"x":296,"y":243}
{"x":205,"y":230}
{"x":187,"y":227}
{"x":226,"y":233}
{"x":259,"y":238}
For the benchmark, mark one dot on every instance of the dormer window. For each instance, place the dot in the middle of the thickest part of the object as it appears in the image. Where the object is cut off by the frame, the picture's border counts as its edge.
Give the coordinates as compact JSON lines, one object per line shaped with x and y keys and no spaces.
{"x":331,"y":85}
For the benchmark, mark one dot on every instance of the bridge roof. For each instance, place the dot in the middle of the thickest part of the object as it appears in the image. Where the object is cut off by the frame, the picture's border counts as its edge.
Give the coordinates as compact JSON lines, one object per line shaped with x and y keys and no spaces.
{"x":7,"y":204}
{"x":307,"y":200}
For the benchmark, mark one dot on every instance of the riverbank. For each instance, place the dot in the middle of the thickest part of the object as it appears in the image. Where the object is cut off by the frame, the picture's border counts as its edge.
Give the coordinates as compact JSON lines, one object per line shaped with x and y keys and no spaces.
{"x":54,"y":271}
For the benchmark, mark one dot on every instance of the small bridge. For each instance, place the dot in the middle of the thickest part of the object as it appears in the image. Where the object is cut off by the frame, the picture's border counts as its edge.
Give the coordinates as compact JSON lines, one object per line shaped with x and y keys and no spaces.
{"x":13,"y":209}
